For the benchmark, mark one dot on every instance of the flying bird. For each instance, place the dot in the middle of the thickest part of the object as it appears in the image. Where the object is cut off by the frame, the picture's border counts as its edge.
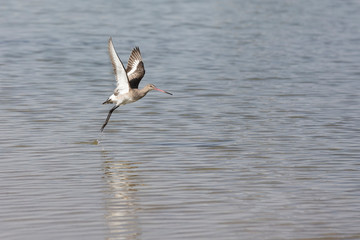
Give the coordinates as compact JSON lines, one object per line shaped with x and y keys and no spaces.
{"x":127,"y":81}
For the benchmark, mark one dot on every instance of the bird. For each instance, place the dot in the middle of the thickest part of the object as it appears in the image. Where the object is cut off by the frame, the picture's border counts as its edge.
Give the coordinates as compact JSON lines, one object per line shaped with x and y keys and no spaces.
{"x":127,"y":81}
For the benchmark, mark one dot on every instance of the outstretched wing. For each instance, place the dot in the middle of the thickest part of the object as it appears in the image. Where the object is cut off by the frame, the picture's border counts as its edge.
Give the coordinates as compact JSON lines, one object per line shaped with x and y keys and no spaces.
{"x":119,"y":70}
{"x":135,"y":68}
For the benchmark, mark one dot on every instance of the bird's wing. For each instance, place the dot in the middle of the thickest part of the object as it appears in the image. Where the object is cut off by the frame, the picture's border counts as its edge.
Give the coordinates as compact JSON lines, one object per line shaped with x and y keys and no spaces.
{"x":119,"y":70}
{"x":135,"y":68}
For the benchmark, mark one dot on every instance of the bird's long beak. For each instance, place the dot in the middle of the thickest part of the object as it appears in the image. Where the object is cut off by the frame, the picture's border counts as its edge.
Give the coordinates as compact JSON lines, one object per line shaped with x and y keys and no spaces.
{"x":157,"y":89}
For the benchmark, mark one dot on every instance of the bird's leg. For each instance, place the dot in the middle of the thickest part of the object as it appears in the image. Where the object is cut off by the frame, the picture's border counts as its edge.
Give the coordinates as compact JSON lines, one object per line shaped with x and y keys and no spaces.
{"x":108,"y":116}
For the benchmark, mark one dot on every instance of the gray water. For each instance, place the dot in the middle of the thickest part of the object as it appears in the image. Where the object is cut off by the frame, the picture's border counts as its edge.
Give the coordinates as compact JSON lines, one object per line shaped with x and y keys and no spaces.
{"x":259,"y":141}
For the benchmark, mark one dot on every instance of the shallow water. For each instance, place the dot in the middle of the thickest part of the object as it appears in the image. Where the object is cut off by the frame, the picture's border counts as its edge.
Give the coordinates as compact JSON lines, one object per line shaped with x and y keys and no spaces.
{"x":259,"y":141}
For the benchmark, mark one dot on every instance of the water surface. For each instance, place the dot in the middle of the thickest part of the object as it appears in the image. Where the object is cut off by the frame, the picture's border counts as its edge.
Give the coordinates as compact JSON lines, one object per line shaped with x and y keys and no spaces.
{"x":259,"y":141}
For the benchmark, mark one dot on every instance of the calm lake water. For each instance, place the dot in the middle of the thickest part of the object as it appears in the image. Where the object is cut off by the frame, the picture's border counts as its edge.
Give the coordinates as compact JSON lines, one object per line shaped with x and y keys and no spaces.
{"x":259,"y":141}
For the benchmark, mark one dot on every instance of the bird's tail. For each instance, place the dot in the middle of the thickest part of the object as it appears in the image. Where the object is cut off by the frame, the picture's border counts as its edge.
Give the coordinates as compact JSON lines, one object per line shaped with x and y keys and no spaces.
{"x":107,"y":101}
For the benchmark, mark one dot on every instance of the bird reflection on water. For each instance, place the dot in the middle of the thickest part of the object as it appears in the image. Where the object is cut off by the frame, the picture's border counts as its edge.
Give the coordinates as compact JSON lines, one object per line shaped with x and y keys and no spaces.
{"x":121,"y":204}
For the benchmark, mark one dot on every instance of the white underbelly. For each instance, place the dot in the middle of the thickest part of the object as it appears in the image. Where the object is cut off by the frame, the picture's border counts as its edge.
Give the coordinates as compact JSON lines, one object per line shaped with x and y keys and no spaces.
{"x":121,"y":100}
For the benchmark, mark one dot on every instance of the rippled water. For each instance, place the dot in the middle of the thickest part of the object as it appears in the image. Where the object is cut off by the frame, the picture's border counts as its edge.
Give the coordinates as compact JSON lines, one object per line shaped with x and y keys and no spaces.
{"x":259,"y":141}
